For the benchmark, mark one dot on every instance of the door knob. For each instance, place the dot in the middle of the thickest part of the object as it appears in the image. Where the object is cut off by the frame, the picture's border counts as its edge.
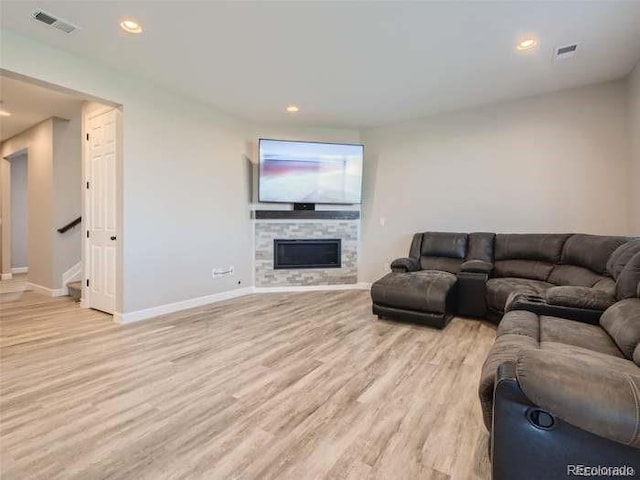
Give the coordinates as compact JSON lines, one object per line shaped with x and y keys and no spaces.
{"x":113,"y":238}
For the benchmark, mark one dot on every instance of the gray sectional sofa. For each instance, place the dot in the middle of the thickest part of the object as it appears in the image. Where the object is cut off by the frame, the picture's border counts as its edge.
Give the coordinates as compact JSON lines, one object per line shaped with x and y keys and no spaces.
{"x":564,"y":391}
{"x":560,"y":388}
{"x":485,"y":274}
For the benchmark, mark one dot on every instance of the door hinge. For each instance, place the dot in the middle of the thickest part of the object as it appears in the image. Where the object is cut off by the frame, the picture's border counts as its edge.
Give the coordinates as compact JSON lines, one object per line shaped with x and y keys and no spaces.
{"x":87,"y":233}
{"x":87,"y":282}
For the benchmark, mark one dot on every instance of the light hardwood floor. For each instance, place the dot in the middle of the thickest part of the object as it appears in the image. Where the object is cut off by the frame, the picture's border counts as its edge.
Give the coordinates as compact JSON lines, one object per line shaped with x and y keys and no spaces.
{"x":299,"y":386}
{"x":19,"y":283}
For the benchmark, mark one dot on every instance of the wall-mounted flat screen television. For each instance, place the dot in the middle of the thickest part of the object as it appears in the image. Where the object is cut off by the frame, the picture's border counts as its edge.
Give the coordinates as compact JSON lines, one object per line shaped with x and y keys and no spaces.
{"x":310,"y":172}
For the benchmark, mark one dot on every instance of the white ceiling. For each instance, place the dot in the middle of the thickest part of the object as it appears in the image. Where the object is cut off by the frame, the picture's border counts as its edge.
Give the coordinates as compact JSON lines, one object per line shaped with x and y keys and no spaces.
{"x":30,"y":104}
{"x":352,"y":64}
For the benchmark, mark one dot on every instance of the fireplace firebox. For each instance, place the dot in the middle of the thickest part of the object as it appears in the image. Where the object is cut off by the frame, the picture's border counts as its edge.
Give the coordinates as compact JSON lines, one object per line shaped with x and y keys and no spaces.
{"x":312,"y":253}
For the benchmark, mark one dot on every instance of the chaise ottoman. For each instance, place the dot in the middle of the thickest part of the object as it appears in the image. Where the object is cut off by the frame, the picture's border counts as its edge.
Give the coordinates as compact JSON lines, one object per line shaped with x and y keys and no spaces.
{"x":425,"y":296}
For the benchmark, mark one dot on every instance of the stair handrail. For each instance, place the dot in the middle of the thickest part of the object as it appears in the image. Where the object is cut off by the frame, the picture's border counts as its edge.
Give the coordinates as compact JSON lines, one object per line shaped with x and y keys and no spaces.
{"x":70,"y":225}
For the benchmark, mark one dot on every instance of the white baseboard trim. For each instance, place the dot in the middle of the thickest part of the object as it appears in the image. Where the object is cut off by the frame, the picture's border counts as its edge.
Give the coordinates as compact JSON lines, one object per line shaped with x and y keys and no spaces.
{"x":313,"y":288}
{"x":72,"y":275}
{"x":19,"y":270}
{"x":139,"y":315}
{"x":49,"y":292}
{"x":6,"y":276}
{"x":147,"y":313}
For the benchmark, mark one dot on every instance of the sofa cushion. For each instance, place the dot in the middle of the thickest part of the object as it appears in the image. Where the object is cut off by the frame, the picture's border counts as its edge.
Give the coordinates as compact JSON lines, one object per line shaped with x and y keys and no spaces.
{"x":574,"y":276}
{"x":499,"y":289}
{"x":522,"y":331}
{"x":532,"y":269}
{"x":444,"y":244}
{"x":621,"y":256}
{"x":423,"y":291}
{"x":480,"y":246}
{"x":577,"y":334}
{"x":546,"y":247}
{"x":590,"y":251}
{"x":552,"y":332}
{"x":610,"y":361}
{"x":629,"y":278}
{"x":451,"y":265}
{"x":579,"y":297}
{"x":622,"y":322}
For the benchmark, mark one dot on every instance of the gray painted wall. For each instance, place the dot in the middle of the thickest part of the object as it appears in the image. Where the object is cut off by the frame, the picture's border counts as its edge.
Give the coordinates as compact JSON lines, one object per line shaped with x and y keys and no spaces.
{"x":53,"y":197}
{"x":551,"y":163}
{"x":67,"y":193}
{"x":19,"y":212}
{"x":634,"y":124}
{"x":525,"y":165}
{"x":38,"y":142}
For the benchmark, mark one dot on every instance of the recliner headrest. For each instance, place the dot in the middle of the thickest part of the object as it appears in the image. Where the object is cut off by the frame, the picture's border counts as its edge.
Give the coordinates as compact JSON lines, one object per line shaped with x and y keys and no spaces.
{"x":628,"y":282}
{"x":590,"y":251}
{"x":621,"y":256}
{"x":444,"y":244}
{"x":545,"y":247}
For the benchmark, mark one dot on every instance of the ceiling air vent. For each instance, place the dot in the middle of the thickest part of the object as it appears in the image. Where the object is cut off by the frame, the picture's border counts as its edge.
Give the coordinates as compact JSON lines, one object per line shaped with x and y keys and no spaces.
{"x":568,"y":51}
{"x":53,"y":21}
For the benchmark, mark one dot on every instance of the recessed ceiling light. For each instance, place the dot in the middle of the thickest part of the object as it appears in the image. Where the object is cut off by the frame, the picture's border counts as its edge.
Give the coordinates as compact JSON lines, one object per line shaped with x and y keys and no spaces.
{"x":527,"y":44}
{"x":131,"y":26}
{"x":4,"y":113}
{"x":293,"y":109}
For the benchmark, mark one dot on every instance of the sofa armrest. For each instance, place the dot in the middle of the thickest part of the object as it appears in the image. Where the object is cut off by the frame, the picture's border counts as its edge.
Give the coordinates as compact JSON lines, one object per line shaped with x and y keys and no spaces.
{"x":590,"y":395}
{"x":472,"y":294}
{"x":404,"y":265}
{"x":476,"y":266}
{"x":579,"y":297}
{"x":540,"y":306}
{"x":530,"y":443}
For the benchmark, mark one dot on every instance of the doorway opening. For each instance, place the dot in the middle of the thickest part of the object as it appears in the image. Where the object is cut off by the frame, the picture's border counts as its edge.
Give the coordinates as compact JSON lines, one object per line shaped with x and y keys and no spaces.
{"x":14,"y":277}
{"x":19,"y":213}
{"x":60,"y":152}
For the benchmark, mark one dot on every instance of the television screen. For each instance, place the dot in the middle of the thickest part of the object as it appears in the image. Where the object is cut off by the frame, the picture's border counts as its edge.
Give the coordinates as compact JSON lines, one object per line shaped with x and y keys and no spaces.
{"x":308,"y":172}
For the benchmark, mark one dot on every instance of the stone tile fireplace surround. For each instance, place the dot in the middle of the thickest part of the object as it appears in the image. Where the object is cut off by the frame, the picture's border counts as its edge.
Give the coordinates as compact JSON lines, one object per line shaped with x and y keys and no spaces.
{"x":270,"y":225}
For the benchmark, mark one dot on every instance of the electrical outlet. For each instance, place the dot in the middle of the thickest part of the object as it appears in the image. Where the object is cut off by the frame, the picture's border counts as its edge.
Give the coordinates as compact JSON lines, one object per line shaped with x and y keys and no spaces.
{"x":222,"y":272}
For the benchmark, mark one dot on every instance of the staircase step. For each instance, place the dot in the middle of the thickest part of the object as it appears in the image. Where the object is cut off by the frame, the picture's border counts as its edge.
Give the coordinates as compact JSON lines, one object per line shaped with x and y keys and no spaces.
{"x":75,"y":290}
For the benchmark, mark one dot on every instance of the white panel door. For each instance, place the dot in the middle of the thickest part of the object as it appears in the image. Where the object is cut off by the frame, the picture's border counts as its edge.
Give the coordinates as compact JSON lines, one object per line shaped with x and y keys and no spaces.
{"x":101,"y":224}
